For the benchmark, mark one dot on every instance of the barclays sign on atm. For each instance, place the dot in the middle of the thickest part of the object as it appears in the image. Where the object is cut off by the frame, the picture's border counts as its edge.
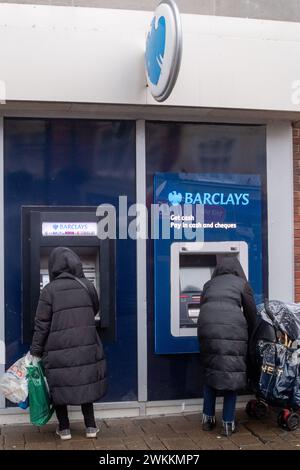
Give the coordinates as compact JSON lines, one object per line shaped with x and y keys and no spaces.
{"x":163,"y":50}
{"x":211,"y":199}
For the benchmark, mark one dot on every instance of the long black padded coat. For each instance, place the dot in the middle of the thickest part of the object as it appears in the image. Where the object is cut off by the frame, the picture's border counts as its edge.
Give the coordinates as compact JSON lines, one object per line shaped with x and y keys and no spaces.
{"x":226,"y":320}
{"x":65,"y":334}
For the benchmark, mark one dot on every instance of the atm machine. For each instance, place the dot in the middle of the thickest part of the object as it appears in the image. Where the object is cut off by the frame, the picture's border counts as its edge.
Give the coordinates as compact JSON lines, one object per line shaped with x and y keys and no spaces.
{"x":43,"y":229}
{"x":192,"y":264}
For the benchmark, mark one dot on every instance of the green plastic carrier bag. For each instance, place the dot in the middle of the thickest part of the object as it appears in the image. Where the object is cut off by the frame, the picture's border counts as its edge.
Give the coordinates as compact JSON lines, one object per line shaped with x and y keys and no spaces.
{"x":39,"y":400}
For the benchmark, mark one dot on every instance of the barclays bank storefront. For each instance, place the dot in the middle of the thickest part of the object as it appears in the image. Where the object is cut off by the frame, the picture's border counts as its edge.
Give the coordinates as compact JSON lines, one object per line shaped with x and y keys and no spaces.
{"x":209,"y":125}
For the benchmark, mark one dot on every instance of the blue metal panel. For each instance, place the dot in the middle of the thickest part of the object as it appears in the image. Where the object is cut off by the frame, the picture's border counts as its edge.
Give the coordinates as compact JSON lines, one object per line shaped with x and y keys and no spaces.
{"x":196,"y":149}
{"x":72,"y":163}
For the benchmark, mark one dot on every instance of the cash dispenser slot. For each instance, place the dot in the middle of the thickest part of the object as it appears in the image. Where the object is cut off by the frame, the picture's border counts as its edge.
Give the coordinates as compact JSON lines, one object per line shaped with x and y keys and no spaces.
{"x":195,"y":269}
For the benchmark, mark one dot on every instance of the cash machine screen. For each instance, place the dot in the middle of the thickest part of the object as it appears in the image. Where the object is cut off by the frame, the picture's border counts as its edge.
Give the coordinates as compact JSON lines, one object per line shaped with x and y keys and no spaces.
{"x":195,"y":271}
{"x":89,"y":263}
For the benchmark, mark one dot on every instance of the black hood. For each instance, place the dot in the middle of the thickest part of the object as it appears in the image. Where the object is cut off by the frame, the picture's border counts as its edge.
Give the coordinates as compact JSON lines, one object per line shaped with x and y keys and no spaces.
{"x":64,"y":260}
{"x":229,"y":265}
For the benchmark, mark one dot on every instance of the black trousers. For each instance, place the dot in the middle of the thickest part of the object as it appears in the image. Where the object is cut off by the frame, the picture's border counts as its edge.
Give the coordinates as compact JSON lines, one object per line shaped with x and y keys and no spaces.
{"x":87,"y":411}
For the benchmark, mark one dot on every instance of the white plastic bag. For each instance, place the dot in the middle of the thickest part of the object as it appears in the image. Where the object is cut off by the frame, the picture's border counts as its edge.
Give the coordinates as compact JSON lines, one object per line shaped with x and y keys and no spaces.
{"x":13,"y":383}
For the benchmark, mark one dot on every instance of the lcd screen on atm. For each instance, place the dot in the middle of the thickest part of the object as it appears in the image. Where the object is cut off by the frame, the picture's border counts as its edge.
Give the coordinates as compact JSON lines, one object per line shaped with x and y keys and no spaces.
{"x":89,"y":261}
{"x":195,"y":271}
{"x":193,"y":279}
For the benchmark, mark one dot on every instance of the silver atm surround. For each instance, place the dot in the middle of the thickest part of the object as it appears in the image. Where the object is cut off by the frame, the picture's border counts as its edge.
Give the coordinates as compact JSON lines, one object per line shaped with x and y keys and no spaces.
{"x":196,"y":260}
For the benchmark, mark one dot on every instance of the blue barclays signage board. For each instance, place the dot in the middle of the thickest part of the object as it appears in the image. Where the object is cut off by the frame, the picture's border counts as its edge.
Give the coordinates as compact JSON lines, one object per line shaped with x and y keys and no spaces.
{"x":196,"y":211}
{"x":163,"y":50}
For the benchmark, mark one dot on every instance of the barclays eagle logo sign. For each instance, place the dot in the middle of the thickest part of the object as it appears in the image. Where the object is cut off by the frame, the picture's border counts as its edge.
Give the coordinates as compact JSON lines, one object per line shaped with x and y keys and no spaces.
{"x":155,"y":49}
{"x":175,"y":198}
{"x":163,"y":50}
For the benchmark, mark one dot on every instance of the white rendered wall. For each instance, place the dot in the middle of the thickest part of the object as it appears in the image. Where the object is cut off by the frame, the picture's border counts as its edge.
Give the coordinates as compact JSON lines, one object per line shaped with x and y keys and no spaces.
{"x":91,"y":55}
{"x":280,"y":211}
{"x":2,"y":302}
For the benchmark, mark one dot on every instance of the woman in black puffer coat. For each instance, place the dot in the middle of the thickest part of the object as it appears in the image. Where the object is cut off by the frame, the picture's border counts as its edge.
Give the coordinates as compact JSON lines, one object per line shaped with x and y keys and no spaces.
{"x":227,"y":318}
{"x":65,"y":337}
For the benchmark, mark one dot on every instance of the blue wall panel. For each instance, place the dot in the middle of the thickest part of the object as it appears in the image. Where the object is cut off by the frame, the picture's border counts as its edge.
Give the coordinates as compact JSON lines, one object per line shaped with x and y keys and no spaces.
{"x":76,"y":163}
{"x":206,"y":149}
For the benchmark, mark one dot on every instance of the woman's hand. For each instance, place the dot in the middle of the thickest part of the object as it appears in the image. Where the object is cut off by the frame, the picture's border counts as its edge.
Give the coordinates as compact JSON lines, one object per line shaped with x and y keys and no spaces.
{"x":33,"y":359}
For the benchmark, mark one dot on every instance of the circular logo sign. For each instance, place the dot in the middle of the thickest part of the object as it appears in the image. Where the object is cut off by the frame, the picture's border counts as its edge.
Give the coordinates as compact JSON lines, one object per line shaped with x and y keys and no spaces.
{"x":163,"y":50}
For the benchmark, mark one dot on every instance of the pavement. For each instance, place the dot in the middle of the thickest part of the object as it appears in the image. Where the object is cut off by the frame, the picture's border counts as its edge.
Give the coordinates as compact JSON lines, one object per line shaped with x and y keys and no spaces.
{"x":176,"y":432}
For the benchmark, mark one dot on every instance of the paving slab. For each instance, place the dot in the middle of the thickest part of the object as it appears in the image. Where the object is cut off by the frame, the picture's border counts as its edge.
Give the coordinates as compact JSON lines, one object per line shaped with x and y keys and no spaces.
{"x":131,"y":430}
{"x":256,"y":447}
{"x":30,"y":437}
{"x":226,"y":444}
{"x":82,"y":445}
{"x":112,"y":432}
{"x":117,"y":422}
{"x":108,"y":443}
{"x":14,"y":440}
{"x":179,"y":442}
{"x":50,"y":428}
{"x":135,"y":444}
{"x":245,"y":439}
{"x":12,"y":446}
{"x":118,"y":446}
{"x":14,"y":430}
{"x":154,"y":443}
{"x":159,"y":429}
{"x":40,"y":446}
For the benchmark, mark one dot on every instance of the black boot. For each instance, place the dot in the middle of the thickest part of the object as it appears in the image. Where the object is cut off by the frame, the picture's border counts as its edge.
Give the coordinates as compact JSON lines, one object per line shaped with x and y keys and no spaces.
{"x":208,"y":423}
{"x":228,"y":429}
